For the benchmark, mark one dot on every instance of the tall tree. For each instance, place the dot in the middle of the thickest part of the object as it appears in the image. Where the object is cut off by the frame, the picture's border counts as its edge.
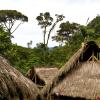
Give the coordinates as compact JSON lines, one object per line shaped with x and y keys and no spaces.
{"x":8,"y":18}
{"x":45,"y":20}
{"x":58,"y":19}
{"x":66,"y":31}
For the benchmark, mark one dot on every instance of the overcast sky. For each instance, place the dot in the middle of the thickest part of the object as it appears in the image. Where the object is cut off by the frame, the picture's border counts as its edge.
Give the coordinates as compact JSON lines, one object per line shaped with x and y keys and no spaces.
{"x":74,"y":10}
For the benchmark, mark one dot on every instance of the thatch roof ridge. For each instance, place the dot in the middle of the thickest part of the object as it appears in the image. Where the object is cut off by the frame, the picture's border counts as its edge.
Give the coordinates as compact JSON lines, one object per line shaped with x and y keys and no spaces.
{"x":14,"y":85}
{"x":45,"y":68}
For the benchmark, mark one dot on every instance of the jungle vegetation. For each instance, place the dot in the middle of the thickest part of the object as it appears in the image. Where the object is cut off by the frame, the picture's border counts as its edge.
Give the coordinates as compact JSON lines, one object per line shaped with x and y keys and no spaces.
{"x":68,"y":35}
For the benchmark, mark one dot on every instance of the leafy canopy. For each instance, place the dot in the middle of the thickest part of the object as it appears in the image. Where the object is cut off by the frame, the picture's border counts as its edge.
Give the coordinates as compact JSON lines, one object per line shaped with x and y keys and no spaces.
{"x":44,"y":19}
{"x":9,"y":17}
{"x":66,"y":31}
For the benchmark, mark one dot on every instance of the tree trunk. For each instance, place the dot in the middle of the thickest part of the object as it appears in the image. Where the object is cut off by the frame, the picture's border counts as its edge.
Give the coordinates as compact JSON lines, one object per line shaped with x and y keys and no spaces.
{"x":53,"y":26}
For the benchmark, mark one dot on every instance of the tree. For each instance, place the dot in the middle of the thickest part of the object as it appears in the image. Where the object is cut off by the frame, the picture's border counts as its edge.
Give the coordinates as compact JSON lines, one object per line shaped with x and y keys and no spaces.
{"x":59,"y":39}
{"x":66,"y":31}
{"x":58,"y":19}
{"x":94,"y":25}
{"x":29,"y":44}
{"x":45,"y":20}
{"x":8,"y":18}
{"x":83,"y":31}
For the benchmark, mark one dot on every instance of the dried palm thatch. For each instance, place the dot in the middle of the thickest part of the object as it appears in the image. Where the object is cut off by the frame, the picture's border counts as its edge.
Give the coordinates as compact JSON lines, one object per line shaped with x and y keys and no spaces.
{"x":46,"y":74}
{"x":89,"y":50}
{"x":32,"y":74}
{"x":83,"y":81}
{"x":13,"y":85}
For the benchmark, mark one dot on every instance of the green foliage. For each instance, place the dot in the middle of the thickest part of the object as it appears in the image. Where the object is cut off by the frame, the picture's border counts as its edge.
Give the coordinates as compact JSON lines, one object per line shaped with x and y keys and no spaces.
{"x":66,"y":31}
{"x":10,"y":15}
{"x":83,"y":31}
{"x":19,"y":56}
{"x":72,"y":34}
{"x":44,"y":19}
{"x":94,"y":25}
{"x":8,"y":19}
{"x":42,"y":52}
{"x":5,"y":41}
{"x":58,"y":56}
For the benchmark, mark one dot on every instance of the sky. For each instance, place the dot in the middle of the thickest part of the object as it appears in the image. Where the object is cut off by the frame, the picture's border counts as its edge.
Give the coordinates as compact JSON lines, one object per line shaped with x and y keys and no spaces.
{"x":74,"y":11}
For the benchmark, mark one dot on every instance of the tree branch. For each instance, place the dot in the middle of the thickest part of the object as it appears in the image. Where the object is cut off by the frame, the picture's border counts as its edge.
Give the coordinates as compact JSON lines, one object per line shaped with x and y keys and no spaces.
{"x":12,"y":24}
{"x":16,"y":27}
{"x":6,"y":26}
{"x":53,"y":26}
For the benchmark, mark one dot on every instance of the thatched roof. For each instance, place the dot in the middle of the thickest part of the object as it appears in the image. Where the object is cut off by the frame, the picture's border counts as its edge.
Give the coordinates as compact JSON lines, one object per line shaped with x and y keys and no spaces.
{"x":13,"y":85}
{"x":83,"y":81}
{"x":78,"y":76}
{"x":33,"y":75}
{"x":46,"y":74}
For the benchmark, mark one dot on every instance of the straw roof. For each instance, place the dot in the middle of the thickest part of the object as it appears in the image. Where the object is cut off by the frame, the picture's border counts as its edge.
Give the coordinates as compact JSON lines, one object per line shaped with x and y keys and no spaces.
{"x":32,"y":75}
{"x":46,"y":74}
{"x":13,"y":85}
{"x":78,"y":77}
{"x":84,"y":81}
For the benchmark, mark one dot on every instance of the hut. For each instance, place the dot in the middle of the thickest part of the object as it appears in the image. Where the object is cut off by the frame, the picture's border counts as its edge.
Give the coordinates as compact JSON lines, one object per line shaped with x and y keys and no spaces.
{"x":13,"y":85}
{"x":78,"y":79}
{"x":35,"y":78}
